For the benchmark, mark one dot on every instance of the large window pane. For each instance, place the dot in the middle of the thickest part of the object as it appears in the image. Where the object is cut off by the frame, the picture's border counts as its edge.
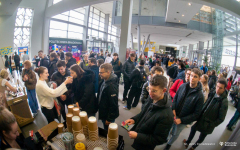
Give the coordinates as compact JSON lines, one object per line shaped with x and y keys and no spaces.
{"x":96,"y":11}
{"x":94,"y":33}
{"x":57,"y":33}
{"x":94,"y":26}
{"x":101,"y":35}
{"x":75,"y":28}
{"x":76,"y":21}
{"x":102,"y":20}
{"x":58,"y":25}
{"x":95,"y":16}
{"x":73,"y":35}
{"x":61,"y":17}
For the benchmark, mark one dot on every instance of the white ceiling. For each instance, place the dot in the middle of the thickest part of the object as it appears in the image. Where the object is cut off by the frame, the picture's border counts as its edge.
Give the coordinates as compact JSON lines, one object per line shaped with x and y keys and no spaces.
{"x":105,"y":7}
{"x":170,"y":35}
{"x":8,"y":7}
{"x":176,"y":9}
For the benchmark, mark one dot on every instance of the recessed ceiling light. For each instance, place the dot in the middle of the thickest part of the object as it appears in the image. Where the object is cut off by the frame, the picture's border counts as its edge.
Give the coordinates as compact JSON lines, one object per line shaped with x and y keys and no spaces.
{"x":0,"y":3}
{"x":183,"y":15}
{"x":179,"y":21}
{"x":189,"y":4}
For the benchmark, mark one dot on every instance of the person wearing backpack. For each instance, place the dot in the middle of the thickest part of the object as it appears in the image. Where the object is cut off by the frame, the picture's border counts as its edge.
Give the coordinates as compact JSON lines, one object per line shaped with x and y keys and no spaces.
{"x":137,"y":79}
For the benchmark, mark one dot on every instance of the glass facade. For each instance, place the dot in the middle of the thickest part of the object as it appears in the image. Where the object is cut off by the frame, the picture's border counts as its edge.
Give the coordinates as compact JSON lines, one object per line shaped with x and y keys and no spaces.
{"x":23,"y":28}
{"x":72,"y":25}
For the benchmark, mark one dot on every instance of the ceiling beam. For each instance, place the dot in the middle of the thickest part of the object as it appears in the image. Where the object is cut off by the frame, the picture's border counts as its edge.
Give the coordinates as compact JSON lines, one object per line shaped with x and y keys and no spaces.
{"x":232,"y":33}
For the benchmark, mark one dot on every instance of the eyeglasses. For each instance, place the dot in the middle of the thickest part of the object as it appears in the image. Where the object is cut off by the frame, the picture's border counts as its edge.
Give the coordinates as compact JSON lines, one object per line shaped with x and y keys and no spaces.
{"x":153,"y":91}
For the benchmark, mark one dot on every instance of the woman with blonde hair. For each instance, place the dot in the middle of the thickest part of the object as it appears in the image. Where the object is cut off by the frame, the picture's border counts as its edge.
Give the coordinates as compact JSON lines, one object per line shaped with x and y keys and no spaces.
{"x":29,"y":77}
{"x":5,"y":85}
{"x":204,"y":81}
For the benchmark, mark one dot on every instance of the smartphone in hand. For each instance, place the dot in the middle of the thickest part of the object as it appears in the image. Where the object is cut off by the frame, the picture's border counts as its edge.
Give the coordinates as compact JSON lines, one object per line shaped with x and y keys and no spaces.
{"x":125,"y":126}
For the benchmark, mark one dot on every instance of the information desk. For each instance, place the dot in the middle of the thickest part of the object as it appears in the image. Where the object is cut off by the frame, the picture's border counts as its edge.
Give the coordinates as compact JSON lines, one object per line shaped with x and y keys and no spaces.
{"x":19,"y":107}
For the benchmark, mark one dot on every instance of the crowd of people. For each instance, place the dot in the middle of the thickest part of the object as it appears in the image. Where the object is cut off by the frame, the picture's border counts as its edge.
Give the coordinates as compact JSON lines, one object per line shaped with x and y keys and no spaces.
{"x":193,"y":96}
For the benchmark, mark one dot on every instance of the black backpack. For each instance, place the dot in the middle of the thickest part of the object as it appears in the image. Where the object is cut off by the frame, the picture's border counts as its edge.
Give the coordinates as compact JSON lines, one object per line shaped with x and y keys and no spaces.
{"x":143,"y":78}
{"x":171,"y":70}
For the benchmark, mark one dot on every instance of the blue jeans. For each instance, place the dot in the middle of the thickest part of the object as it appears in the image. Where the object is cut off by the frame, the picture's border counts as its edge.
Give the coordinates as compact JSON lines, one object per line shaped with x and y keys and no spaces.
{"x":32,"y":100}
{"x":174,"y":133}
{"x":106,"y":126}
{"x":234,"y":119}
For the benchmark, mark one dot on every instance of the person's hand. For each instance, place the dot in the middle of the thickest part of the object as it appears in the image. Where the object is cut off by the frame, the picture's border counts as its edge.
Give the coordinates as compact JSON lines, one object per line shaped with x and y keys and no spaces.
{"x":129,"y":121}
{"x":14,"y":90}
{"x":132,"y":134}
{"x":63,"y":97}
{"x":54,"y":85}
{"x":107,"y":123}
{"x":25,"y":77}
{"x":69,"y":80}
{"x":177,"y":121}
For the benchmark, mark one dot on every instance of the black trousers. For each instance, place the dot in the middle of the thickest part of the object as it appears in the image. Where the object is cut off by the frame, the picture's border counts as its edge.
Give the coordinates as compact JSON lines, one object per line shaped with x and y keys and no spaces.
{"x":126,"y":88}
{"x":63,"y":103}
{"x":133,"y":94}
{"x":18,"y":67}
{"x":50,"y":114}
{"x":192,"y":134}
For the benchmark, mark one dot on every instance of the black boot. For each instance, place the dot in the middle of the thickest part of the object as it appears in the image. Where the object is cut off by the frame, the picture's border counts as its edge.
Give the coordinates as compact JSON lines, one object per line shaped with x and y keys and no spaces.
{"x":167,"y":147}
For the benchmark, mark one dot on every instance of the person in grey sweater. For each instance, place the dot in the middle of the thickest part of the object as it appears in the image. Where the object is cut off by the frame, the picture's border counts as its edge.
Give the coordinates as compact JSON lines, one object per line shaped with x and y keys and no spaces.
{"x":25,"y":56}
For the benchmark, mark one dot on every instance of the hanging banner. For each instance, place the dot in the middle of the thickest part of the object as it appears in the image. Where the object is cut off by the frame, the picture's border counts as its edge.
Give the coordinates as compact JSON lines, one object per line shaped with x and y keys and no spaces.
{"x":6,"y":50}
{"x":21,"y":50}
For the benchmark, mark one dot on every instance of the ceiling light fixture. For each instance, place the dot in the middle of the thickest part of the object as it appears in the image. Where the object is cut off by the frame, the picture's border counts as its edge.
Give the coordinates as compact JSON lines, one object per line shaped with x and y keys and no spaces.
{"x":189,"y":4}
{"x":0,"y":3}
{"x":183,"y":15}
{"x":179,"y":21}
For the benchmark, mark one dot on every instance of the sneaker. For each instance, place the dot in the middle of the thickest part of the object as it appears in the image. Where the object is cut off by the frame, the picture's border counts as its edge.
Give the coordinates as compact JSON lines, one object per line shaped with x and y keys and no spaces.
{"x":125,"y":107}
{"x":188,"y":126}
{"x":185,"y":143}
{"x":167,"y":147}
{"x":123,"y":101}
{"x":191,"y":148}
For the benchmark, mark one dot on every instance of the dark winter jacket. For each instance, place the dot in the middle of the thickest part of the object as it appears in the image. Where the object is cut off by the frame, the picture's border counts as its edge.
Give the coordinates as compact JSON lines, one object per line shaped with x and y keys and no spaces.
{"x":212,"y":82}
{"x":59,"y":79}
{"x":32,"y":80}
{"x":101,"y":57}
{"x":84,"y":92}
{"x":16,"y":59}
{"x":7,"y":63}
{"x":127,"y":69}
{"x":71,"y":62}
{"x":52,"y":67}
{"x":213,"y":113}
{"x":192,"y":107}
{"x":108,"y":99}
{"x":44,"y":62}
{"x":95,"y":69}
{"x":62,"y":56}
{"x":117,"y":67}
{"x":135,"y":77}
{"x":172,"y":71}
{"x":153,"y":124}
{"x":144,"y":93}
{"x":180,"y":75}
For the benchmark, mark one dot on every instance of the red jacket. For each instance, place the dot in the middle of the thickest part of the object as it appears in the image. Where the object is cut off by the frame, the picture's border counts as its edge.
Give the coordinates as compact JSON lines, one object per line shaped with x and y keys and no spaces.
{"x":229,"y":85}
{"x":175,"y":86}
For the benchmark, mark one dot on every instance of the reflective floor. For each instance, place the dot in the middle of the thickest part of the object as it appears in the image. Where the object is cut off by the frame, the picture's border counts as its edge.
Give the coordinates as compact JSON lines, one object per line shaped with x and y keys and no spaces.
{"x":219,"y":134}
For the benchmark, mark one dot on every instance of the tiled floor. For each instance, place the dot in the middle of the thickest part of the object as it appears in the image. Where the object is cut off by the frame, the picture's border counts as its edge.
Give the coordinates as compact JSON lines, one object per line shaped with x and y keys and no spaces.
{"x":220,"y":133}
